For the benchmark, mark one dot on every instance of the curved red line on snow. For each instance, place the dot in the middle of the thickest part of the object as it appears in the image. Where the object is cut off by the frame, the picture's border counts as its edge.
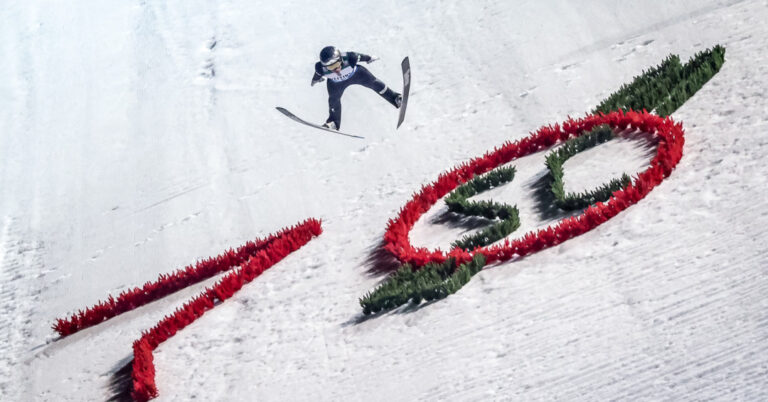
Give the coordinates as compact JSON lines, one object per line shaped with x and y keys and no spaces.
{"x":668,"y":154}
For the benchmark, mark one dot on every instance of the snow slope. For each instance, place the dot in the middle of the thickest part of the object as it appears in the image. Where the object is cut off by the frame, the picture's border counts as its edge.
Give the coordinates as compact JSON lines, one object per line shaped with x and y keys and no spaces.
{"x":137,"y":137}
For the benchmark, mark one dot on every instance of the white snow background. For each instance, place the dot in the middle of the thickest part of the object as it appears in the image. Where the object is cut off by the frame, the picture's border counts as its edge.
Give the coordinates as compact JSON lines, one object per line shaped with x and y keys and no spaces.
{"x":137,"y":137}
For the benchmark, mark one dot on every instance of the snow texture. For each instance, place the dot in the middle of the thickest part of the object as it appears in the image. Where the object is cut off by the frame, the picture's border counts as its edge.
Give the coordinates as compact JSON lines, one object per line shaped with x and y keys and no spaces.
{"x":137,"y":137}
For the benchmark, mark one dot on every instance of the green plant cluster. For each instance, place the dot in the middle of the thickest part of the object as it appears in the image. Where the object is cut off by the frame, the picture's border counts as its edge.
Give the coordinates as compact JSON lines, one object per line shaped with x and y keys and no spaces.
{"x":664,"y":88}
{"x":458,"y":202}
{"x":557,"y":158}
{"x":431,"y":282}
{"x":700,"y":69}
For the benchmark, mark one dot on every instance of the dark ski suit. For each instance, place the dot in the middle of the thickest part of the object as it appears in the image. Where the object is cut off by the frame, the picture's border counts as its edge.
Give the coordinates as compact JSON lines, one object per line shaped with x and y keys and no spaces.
{"x":351,"y":73}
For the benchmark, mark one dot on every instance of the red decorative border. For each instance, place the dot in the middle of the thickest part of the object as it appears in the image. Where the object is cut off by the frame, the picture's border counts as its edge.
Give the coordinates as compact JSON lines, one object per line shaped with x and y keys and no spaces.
{"x":163,"y":286}
{"x":275,"y":249}
{"x":668,"y":154}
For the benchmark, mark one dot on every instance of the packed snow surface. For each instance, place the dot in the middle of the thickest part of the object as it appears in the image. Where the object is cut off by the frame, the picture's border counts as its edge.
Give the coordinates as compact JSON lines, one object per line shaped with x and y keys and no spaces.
{"x":137,"y":137}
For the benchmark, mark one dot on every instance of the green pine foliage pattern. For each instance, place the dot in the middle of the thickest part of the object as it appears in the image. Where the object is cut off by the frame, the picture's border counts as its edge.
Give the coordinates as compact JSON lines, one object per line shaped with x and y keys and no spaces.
{"x":431,"y":282}
{"x":664,"y":88}
{"x":661,"y":89}
{"x":458,"y":202}
{"x":556,"y":159}
{"x":437,"y":281}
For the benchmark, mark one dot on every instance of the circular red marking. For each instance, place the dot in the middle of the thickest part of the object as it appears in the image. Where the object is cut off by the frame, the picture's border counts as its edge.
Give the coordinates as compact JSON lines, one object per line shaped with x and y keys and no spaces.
{"x":668,"y":154}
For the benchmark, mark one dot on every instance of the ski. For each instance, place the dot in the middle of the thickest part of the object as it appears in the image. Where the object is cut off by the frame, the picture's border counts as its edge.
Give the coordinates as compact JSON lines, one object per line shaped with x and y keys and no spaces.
{"x":299,"y":120}
{"x":406,"y":89}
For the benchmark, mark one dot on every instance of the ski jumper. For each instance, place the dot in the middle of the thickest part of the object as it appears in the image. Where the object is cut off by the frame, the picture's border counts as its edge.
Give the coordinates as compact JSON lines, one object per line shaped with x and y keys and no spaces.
{"x":351,"y":73}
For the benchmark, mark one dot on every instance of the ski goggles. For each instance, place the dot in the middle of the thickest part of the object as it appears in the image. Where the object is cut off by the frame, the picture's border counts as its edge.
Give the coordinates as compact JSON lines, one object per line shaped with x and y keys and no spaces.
{"x":334,"y":65}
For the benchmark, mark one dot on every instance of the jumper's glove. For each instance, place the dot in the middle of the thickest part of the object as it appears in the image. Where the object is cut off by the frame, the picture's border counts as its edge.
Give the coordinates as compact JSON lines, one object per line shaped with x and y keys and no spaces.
{"x":373,"y":58}
{"x":316,"y":81}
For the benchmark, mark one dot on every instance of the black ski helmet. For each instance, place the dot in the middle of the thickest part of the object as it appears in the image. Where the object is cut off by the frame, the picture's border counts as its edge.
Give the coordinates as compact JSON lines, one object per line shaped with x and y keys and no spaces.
{"x":329,"y":55}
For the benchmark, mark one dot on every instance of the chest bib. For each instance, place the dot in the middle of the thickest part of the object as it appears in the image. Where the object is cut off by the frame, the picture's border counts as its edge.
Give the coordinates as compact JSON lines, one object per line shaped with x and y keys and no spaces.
{"x":345,"y":73}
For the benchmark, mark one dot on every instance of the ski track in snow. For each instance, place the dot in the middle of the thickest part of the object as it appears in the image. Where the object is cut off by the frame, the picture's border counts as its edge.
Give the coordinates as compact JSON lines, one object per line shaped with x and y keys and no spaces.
{"x":22,"y":268}
{"x":138,"y":137}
